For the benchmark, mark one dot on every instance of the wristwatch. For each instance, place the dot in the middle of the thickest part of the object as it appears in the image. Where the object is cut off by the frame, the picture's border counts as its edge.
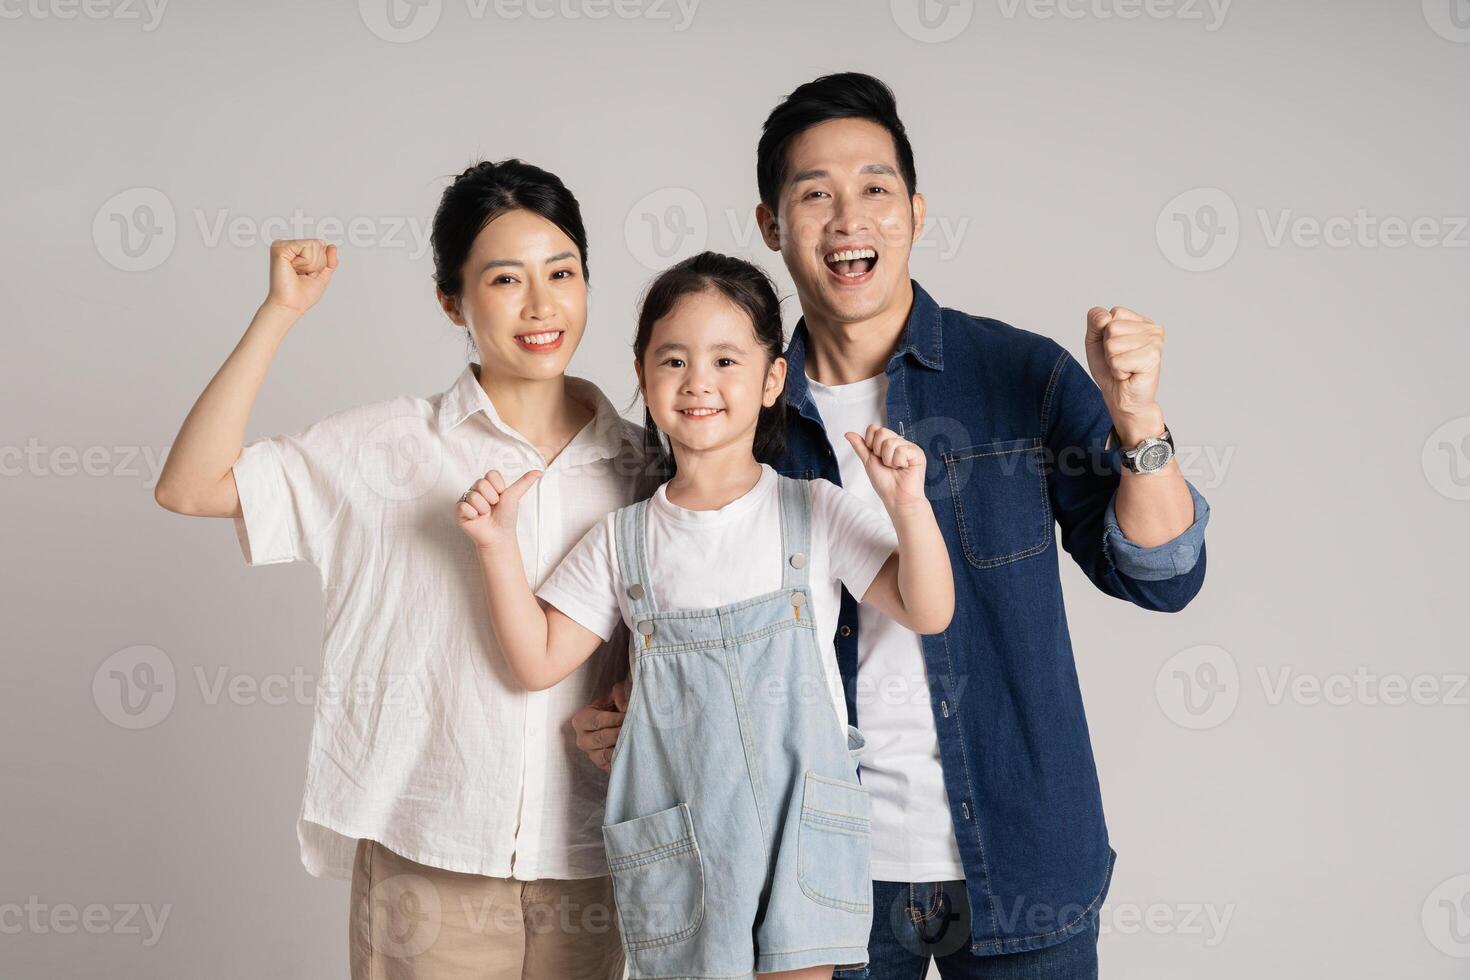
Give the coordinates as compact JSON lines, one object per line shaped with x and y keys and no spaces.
{"x":1149,"y":456}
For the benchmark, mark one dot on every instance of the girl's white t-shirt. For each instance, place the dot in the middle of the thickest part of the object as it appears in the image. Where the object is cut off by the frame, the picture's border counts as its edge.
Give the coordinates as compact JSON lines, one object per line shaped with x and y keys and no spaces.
{"x":700,"y":559}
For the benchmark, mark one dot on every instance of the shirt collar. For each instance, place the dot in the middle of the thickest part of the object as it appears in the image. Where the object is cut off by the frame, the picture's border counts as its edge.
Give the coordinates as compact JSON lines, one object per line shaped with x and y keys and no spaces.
{"x":600,"y":439}
{"x":922,"y":339}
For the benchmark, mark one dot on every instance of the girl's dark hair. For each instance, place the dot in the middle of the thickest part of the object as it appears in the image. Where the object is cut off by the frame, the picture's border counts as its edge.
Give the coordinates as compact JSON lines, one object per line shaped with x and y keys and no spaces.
{"x":750,"y":289}
{"x":483,"y":193}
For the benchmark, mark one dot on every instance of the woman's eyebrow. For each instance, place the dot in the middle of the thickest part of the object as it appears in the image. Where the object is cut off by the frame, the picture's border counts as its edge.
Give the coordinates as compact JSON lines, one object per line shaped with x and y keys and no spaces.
{"x":518,"y":264}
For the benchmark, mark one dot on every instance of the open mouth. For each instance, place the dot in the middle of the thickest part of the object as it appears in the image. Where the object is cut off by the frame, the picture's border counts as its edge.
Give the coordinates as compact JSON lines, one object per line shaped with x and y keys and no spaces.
{"x":701,"y":413}
{"x":543,"y":341}
{"x":852,"y":265}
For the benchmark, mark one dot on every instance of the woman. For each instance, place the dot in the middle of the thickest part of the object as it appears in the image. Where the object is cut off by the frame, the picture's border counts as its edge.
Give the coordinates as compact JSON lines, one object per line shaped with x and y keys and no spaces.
{"x":445,"y":790}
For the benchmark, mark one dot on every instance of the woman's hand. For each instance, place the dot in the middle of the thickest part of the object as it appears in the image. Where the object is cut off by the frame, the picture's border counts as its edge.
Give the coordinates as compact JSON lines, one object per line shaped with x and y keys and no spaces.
{"x":894,"y":465}
{"x":301,"y":269}
{"x":487,"y":512}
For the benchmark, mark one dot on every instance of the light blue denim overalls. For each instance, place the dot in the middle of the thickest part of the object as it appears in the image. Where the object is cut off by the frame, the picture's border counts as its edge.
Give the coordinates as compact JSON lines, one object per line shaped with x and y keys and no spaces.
{"x":736,"y":829}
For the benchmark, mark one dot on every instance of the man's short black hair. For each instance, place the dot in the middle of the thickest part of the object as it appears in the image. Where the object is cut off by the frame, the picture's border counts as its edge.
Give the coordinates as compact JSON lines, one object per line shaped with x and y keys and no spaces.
{"x":847,"y":95}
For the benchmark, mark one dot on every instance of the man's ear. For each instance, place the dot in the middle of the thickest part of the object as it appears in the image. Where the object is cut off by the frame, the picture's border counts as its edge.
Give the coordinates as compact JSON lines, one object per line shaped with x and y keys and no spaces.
{"x":765,"y":220}
{"x":450,"y":306}
{"x":919,"y":209}
{"x":775,"y":381}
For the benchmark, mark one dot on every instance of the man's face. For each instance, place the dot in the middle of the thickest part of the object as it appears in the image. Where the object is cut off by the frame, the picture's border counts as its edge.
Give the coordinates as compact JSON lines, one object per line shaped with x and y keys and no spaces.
{"x":845,"y":221}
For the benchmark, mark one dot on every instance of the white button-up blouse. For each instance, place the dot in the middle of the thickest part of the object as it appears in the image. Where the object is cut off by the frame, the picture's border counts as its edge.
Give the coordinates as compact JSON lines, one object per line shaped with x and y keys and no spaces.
{"x":422,"y":739}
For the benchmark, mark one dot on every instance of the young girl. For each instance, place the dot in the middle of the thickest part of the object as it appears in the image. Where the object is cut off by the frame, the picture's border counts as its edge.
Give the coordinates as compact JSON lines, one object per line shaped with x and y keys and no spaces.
{"x":735,"y":829}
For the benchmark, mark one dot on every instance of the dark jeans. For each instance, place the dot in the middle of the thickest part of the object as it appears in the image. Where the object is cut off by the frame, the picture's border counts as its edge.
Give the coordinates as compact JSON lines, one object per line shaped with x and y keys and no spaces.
{"x":914,"y":923}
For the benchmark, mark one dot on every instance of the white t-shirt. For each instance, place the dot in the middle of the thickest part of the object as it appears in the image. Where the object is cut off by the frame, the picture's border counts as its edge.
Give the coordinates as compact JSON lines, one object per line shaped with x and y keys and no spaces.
{"x":913,"y":833}
{"x":700,"y":559}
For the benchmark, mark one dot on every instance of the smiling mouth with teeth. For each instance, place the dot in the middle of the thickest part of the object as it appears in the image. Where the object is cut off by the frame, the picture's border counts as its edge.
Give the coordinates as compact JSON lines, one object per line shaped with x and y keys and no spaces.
{"x":699,"y":413}
{"x":852,"y":263}
{"x":545,"y":340}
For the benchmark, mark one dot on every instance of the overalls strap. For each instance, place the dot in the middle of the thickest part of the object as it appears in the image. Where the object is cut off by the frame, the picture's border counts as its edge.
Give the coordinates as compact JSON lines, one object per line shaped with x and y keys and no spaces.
{"x":796,"y":533}
{"x":632,"y":539}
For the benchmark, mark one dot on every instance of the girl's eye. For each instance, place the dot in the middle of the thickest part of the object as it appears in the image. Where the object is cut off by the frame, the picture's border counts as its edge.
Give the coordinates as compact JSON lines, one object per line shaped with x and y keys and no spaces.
{"x":730,"y":359}
{"x":673,"y":361}
{"x":503,"y":278}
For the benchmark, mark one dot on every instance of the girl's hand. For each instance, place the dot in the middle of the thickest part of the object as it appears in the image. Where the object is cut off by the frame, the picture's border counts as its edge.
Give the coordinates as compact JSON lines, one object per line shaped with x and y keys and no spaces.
{"x":895,"y":466}
{"x":487,"y":511}
{"x":300,"y":272}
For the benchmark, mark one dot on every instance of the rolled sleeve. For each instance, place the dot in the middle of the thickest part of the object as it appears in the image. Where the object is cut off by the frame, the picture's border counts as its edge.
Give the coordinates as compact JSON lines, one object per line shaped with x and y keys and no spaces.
{"x":1165,"y":561}
{"x":266,"y":529}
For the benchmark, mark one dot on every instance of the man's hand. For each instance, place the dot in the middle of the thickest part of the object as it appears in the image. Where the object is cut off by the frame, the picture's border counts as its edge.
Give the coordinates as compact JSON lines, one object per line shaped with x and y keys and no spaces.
{"x":598,"y":725}
{"x":1124,"y":353}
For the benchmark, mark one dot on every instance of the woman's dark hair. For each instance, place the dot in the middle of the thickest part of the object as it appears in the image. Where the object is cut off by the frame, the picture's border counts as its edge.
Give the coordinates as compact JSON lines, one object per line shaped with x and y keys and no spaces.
{"x":483,"y":193}
{"x":750,"y":289}
{"x":849,"y":95}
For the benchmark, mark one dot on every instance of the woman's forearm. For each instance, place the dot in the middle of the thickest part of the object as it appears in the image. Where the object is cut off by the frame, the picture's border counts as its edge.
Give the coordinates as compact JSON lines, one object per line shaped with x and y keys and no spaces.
{"x":196,"y":477}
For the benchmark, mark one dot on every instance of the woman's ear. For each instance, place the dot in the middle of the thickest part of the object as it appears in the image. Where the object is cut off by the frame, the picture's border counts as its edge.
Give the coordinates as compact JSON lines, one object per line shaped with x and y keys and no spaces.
{"x":450,"y":306}
{"x":775,"y":382}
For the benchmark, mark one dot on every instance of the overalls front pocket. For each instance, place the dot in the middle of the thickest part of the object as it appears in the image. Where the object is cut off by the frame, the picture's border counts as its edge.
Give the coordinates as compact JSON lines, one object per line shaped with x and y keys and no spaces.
{"x":833,"y":844}
{"x":658,"y":877}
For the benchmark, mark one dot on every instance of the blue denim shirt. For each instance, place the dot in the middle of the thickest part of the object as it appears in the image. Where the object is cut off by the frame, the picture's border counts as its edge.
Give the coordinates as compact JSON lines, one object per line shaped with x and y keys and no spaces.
{"x":1014,"y":430}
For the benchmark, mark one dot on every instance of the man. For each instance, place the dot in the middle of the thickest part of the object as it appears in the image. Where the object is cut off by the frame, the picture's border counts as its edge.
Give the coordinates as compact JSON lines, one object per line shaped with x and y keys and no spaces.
{"x":990,"y":851}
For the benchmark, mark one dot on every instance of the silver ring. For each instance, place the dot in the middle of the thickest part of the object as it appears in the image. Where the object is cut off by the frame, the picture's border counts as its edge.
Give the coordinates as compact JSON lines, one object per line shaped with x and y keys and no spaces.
{"x":464,"y":498}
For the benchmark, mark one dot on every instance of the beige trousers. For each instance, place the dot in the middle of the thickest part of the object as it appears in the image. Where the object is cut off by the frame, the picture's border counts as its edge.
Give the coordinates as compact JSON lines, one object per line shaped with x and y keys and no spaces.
{"x":413,"y":922}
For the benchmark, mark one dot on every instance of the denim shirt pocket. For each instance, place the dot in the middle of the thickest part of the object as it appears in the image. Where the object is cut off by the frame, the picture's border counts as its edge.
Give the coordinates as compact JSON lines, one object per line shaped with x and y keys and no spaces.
{"x":1000,"y":501}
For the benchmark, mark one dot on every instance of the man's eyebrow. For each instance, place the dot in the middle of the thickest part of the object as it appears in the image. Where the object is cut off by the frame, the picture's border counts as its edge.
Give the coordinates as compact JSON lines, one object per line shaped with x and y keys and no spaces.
{"x":518,"y":264}
{"x":871,"y":168}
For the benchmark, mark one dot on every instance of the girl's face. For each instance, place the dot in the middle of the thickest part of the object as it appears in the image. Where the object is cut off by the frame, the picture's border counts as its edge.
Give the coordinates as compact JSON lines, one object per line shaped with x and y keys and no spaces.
{"x":524,"y":299}
{"x":704,"y":375}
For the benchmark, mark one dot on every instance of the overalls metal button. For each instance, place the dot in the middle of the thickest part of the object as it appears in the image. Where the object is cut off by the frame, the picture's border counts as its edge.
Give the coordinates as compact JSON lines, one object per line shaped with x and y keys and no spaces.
{"x":635,"y":591}
{"x":798,"y":560}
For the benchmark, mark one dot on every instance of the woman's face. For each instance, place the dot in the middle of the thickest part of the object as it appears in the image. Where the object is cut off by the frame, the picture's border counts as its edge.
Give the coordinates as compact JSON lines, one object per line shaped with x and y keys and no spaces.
{"x":524,"y":298}
{"x":705,"y":376}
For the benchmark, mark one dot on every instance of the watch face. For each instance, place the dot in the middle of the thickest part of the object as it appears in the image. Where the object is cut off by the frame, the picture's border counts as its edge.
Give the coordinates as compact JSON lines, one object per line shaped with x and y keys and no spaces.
{"x":1154,"y":457}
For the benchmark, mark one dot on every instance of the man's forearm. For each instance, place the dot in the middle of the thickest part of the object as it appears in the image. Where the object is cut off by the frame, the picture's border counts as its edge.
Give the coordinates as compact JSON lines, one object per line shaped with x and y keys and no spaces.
{"x":1152,"y":508}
